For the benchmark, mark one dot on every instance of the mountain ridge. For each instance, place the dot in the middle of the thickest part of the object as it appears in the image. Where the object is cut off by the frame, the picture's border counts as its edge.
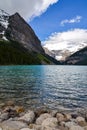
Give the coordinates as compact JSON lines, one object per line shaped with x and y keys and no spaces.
{"x":78,"y":58}
{"x":20,"y":40}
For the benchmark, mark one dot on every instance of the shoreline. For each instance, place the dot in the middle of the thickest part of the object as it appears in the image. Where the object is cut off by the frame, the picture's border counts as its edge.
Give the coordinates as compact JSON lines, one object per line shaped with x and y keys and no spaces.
{"x":14,"y":117}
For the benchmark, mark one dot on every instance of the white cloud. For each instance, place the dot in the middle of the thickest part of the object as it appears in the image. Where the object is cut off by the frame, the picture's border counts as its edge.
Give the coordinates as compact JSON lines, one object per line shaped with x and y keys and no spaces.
{"x":77,"y":19}
{"x":27,"y":8}
{"x":71,"y":40}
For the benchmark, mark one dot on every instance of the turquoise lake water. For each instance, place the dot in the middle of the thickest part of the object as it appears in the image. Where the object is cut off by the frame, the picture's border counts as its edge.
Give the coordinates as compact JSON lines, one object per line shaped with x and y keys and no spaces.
{"x":49,"y":86}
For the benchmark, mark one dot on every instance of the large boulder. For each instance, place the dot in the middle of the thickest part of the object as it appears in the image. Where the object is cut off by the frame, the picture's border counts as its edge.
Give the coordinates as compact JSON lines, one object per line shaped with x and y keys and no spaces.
{"x":13,"y":125}
{"x":28,"y":117}
{"x":42,"y":118}
{"x":76,"y":128}
{"x":50,"y":123}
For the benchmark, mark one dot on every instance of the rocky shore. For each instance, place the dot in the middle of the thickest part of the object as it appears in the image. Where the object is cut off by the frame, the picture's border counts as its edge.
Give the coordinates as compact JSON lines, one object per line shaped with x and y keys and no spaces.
{"x":14,"y":117}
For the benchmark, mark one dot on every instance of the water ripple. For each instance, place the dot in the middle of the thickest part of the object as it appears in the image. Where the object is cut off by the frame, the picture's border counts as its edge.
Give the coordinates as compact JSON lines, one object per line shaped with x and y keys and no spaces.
{"x":50,"y":86}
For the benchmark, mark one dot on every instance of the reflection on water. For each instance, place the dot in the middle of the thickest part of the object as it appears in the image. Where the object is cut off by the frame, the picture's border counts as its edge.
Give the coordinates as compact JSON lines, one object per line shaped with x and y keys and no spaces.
{"x":50,"y":86}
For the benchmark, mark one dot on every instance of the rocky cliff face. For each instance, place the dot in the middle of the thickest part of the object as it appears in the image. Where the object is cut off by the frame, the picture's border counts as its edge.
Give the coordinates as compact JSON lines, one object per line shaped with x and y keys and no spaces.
{"x":78,"y":58}
{"x":19,"y":43}
{"x":18,"y":30}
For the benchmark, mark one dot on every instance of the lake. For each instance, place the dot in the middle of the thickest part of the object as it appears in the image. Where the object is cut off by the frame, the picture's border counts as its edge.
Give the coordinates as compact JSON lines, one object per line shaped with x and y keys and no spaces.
{"x":44,"y":86}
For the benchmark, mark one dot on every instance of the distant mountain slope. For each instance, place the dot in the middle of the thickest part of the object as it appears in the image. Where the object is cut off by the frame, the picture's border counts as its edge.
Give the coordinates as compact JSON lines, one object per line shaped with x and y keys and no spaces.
{"x":78,"y":58}
{"x":19,"y":43}
{"x":49,"y":52}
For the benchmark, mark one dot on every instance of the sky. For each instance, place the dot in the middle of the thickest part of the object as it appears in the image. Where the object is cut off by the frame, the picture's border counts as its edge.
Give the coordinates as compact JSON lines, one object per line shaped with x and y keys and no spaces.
{"x":56,"y":22}
{"x":60,"y":17}
{"x":63,"y":24}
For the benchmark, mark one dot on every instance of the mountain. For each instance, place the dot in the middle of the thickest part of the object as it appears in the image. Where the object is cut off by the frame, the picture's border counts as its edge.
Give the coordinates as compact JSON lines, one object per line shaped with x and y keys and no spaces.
{"x":78,"y":58}
{"x":19,"y":43}
{"x":50,"y":53}
{"x":68,"y":49}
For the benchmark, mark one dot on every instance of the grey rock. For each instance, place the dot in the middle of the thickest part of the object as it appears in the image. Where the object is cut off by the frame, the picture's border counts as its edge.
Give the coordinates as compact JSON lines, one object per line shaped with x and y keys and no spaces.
{"x":13,"y":125}
{"x":76,"y":128}
{"x":67,"y":116}
{"x":60,"y":117}
{"x":4,"y":116}
{"x":42,"y":118}
{"x":53,"y":113}
{"x":34,"y":126}
{"x":28,"y":117}
{"x":80,"y":119}
{"x":85,"y":128}
{"x":27,"y":129}
{"x":50,"y":122}
{"x":49,"y":128}
{"x":70,"y":124}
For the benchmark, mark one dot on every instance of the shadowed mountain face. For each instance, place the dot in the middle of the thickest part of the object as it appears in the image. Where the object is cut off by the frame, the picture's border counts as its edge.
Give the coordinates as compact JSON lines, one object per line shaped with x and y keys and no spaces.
{"x":78,"y":58}
{"x":18,"y":30}
{"x":19,"y":44}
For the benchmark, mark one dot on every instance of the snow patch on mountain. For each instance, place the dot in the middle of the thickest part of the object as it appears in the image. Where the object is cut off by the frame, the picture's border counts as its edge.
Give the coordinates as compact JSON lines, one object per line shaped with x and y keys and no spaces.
{"x":3,"y":23}
{"x":4,"y":18}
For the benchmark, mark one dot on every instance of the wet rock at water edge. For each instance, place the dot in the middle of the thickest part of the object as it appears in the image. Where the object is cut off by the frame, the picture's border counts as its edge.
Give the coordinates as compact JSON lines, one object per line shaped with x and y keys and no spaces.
{"x":60,"y":117}
{"x":42,"y":117}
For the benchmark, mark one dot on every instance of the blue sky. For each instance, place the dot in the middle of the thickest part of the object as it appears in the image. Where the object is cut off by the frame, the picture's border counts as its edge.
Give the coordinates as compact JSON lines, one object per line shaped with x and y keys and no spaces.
{"x":50,"y":21}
